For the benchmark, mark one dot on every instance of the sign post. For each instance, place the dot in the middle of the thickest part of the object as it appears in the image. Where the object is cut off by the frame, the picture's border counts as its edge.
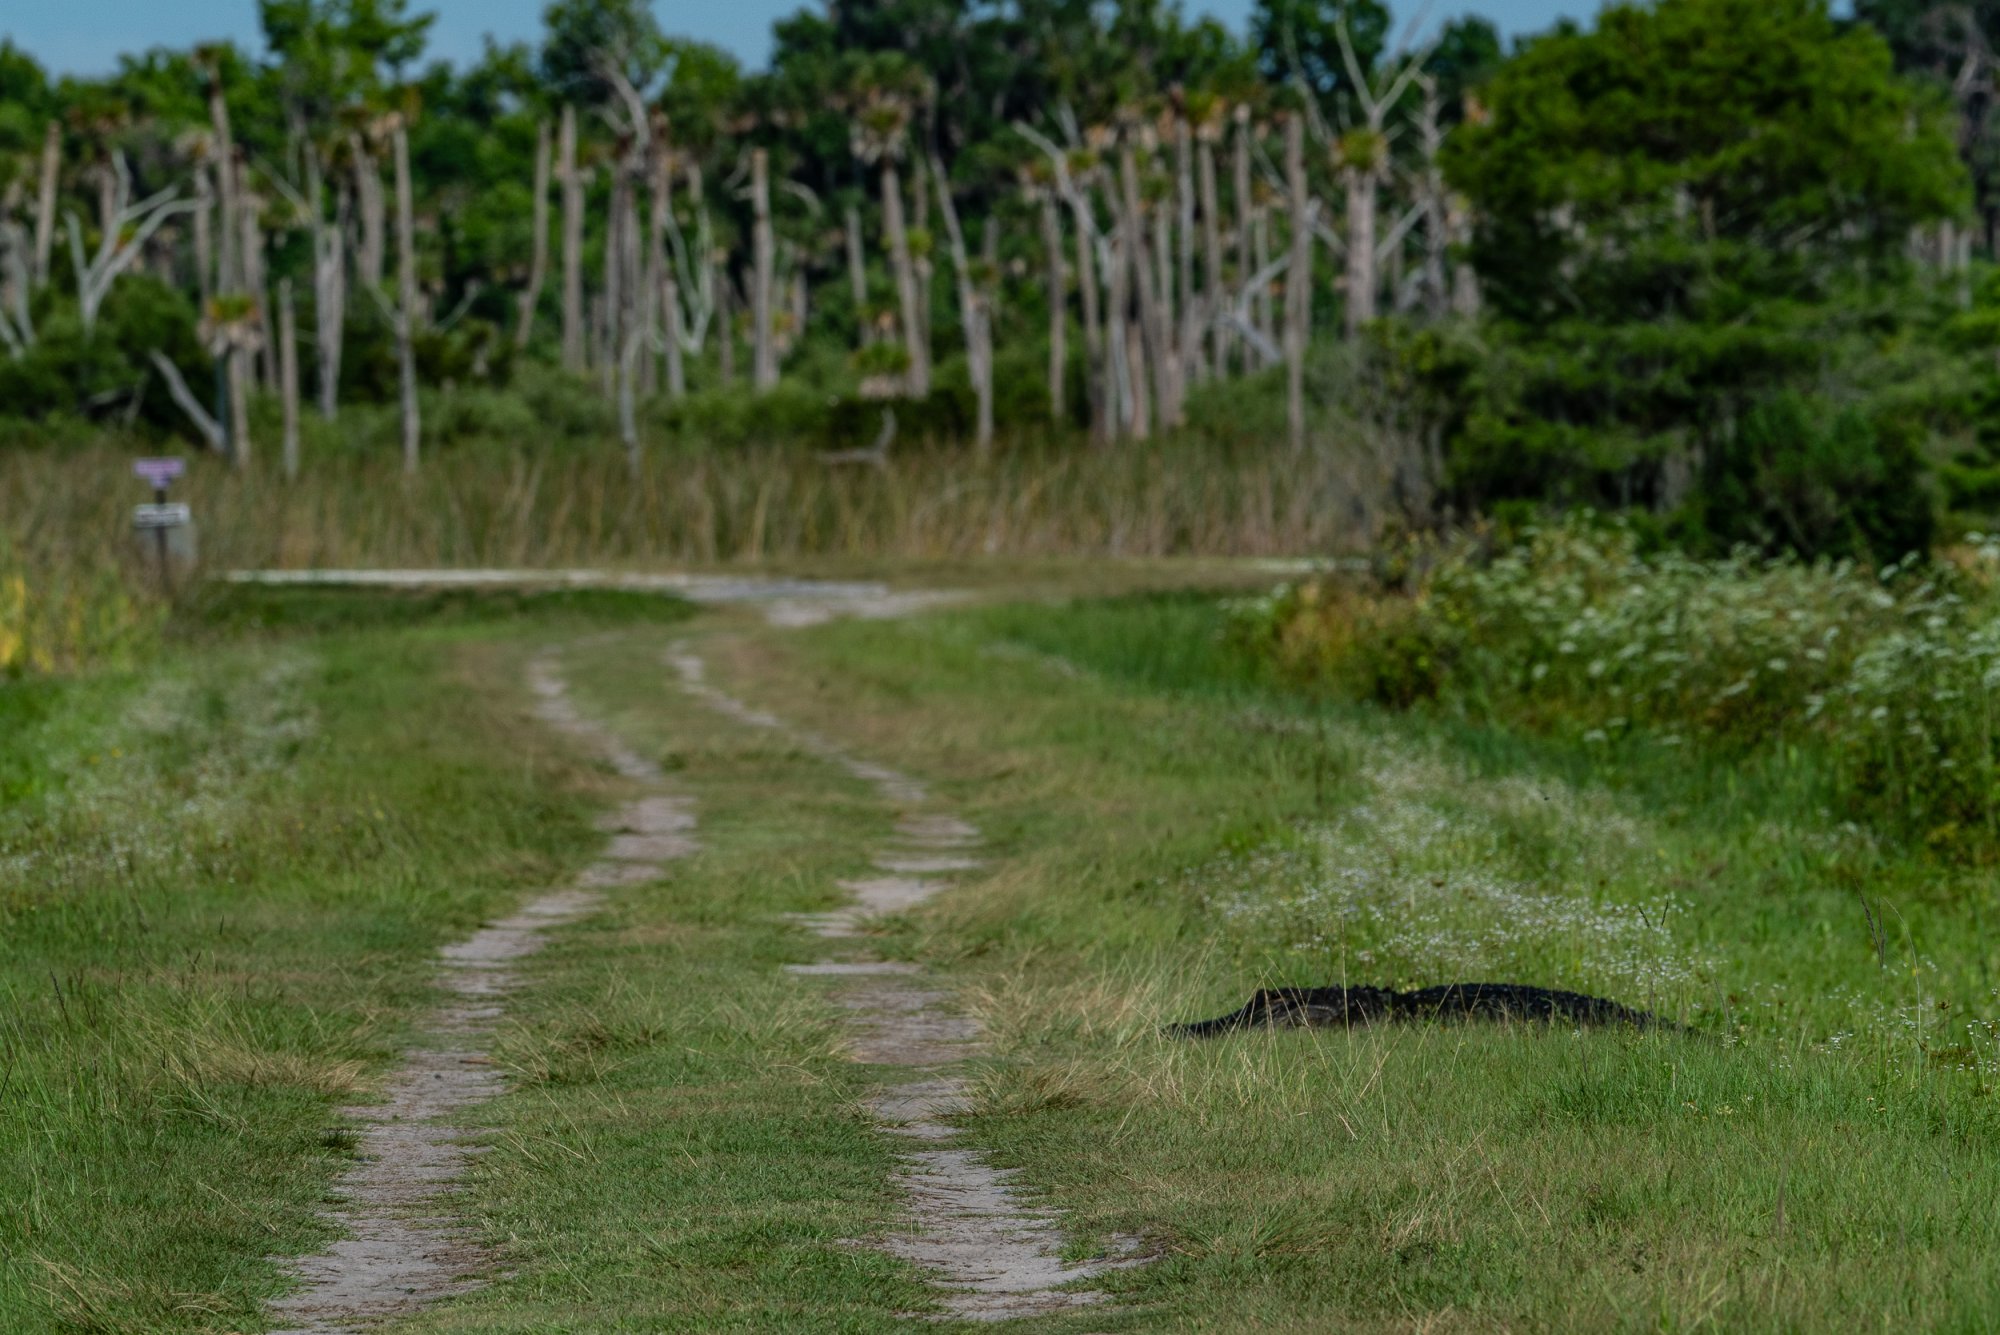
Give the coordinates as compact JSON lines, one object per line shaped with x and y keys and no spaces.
{"x":162,"y":518}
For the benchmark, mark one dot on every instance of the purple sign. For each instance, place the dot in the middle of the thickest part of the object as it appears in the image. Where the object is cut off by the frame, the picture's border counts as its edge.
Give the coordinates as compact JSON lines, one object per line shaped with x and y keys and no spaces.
{"x":159,"y":472}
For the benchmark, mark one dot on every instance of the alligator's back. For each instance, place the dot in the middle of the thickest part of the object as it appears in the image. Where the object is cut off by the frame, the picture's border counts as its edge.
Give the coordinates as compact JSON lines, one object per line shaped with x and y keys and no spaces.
{"x":1347,"y":1007}
{"x":1514,"y":1001}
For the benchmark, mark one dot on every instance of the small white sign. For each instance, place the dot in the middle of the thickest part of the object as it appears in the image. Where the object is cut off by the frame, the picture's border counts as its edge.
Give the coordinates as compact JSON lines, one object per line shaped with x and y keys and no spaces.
{"x":175,"y":515}
{"x":159,"y":472}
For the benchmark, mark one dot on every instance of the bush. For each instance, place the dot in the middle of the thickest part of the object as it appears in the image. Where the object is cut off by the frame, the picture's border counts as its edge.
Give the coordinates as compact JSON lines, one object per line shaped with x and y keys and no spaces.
{"x":1792,"y":426}
{"x":103,"y":375}
{"x":1888,"y":676}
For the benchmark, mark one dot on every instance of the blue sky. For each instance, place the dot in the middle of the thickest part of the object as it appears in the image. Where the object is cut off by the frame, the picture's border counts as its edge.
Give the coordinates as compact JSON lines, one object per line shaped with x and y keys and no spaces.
{"x":86,"y":36}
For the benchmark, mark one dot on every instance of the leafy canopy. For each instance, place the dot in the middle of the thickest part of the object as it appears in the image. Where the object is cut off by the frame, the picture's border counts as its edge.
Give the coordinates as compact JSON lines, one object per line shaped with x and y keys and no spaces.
{"x":1694,"y":145}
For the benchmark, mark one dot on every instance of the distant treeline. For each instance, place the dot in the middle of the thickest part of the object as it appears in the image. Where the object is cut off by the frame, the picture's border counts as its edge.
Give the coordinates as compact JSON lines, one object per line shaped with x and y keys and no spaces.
{"x":1722,"y":260}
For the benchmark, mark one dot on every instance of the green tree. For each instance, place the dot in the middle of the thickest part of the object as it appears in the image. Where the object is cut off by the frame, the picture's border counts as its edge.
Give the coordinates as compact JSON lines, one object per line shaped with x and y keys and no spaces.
{"x":1693,"y":152}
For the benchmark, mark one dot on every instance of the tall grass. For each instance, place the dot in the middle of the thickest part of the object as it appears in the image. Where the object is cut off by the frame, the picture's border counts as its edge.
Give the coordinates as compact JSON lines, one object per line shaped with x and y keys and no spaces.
{"x":522,"y":506}
{"x":63,"y":605}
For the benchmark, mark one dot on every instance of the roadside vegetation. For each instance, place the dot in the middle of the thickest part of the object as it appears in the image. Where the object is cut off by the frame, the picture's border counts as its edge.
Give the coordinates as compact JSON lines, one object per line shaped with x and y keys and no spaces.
{"x":1872,"y":686}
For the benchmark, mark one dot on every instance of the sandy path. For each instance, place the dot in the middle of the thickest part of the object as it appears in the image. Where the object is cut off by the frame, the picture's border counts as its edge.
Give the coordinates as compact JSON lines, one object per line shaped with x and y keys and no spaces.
{"x":400,"y":1250}
{"x":785,"y":602}
{"x":993,"y":1253}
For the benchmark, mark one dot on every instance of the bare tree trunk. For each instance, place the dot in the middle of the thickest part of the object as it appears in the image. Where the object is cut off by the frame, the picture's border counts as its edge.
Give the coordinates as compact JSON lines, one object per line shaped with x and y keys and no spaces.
{"x":1142,"y":402}
{"x":1168,"y":368}
{"x":764,"y":353}
{"x":725,"y":333}
{"x":406,"y":284}
{"x":670,"y":288}
{"x":330,"y":306}
{"x":1362,"y":279}
{"x":204,"y":248}
{"x":1120,"y":353}
{"x":236,"y":370}
{"x":372,"y":256}
{"x":572,"y":242}
{"x":1189,"y":368}
{"x":257,"y":284}
{"x":638,"y":305}
{"x":1263,"y":303}
{"x":1058,"y":289}
{"x":1298,"y":281}
{"x":658,"y":276}
{"x":211,"y":431}
{"x":229,"y":272}
{"x":628,"y":416}
{"x":710,"y":280}
{"x":1464,"y":279}
{"x":15,"y":263}
{"x":919,"y":376}
{"x":538,"y":265}
{"x":45,"y":201}
{"x":1240,"y":183}
{"x":612,"y":350}
{"x":1213,"y":348}
{"x":1432,"y":191}
{"x":676,"y":367}
{"x":1095,"y":376}
{"x":1158,"y":349}
{"x":921,"y":259}
{"x":973,"y":307}
{"x":857,"y":274}
{"x":229,"y":275}
{"x":288,"y":375}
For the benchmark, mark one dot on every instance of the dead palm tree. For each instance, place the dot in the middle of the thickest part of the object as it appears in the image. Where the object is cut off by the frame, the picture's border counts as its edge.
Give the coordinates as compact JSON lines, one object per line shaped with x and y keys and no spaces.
{"x":879,"y":136}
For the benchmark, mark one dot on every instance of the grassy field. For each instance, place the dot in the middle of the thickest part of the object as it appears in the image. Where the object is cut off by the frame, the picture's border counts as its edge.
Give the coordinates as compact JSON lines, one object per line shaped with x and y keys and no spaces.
{"x":221,"y":880}
{"x":1818,"y":1157}
{"x":222,"y":876}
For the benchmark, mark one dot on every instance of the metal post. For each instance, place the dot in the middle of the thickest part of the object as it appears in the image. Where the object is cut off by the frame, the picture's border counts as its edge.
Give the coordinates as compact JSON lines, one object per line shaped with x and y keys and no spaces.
{"x":160,"y":543}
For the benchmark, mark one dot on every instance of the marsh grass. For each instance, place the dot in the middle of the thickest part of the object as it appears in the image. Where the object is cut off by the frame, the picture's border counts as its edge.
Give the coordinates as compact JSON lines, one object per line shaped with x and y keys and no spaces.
{"x":521,"y":507}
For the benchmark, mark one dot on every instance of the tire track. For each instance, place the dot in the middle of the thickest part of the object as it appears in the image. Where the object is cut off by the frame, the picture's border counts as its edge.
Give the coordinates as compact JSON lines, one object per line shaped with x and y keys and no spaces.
{"x":399,"y":1250}
{"x":995,"y":1255}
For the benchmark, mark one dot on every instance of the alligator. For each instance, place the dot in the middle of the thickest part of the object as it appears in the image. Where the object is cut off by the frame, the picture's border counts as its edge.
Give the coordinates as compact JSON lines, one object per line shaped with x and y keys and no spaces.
{"x":1349,"y":1007}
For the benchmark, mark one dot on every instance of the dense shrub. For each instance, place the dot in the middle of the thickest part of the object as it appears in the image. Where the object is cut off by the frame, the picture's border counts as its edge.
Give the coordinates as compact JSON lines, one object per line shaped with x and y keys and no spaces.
{"x":1790,"y":427}
{"x":1888,"y":675}
{"x":101,"y":375}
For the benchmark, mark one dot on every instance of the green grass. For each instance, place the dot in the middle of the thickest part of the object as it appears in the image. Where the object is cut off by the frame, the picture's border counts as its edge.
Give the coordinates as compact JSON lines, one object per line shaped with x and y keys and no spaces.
{"x":684,"y":1145}
{"x":221,"y":882}
{"x":1818,"y":1159}
{"x":240,"y":609}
